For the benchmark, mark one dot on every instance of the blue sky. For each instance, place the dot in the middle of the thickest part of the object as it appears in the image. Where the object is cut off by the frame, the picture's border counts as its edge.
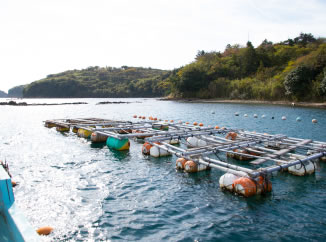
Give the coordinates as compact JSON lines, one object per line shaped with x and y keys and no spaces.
{"x":41,"y":37}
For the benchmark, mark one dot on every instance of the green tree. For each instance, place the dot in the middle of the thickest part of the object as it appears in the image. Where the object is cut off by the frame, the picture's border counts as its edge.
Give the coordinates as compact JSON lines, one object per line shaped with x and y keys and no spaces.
{"x":297,"y":82}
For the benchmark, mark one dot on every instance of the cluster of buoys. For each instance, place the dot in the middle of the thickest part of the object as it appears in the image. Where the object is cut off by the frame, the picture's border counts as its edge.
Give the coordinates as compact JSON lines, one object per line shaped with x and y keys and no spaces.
{"x":189,"y":166}
{"x":152,"y":150}
{"x":245,"y":186}
{"x":298,"y":119}
{"x":231,"y":135}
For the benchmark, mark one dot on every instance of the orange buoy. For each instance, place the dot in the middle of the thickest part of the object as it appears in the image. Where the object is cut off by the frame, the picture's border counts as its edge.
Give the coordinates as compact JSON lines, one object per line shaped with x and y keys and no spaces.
{"x":135,"y":116}
{"x":13,"y":183}
{"x":143,"y":117}
{"x":146,"y":148}
{"x":245,"y":186}
{"x":201,"y":124}
{"x":186,"y":122}
{"x":46,"y":230}
{"x":171,"y":121}
{"x":180,"y":163}
{"x":195,"y":123}
{"x":232,"y":135}
{"x":216,"y":127}
{"x":166,"y":121}
{"x":155,"y":119}
{"x":190,"y":166}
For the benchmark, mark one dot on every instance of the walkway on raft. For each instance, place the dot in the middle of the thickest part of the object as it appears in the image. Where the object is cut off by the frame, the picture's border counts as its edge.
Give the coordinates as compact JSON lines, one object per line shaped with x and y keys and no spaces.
{"x":202,"y":148}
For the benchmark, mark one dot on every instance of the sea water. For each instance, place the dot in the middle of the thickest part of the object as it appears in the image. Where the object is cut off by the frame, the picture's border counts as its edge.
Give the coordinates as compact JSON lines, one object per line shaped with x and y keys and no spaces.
{"x":91,"y":193}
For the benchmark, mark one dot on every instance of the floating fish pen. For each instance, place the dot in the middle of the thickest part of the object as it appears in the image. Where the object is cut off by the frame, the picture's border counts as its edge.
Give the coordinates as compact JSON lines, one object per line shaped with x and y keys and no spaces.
{"x":248,"y":159}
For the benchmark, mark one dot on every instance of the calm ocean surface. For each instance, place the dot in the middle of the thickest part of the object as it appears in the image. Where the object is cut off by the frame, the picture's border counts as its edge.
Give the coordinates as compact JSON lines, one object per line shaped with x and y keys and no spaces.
{"x":91,"y":193}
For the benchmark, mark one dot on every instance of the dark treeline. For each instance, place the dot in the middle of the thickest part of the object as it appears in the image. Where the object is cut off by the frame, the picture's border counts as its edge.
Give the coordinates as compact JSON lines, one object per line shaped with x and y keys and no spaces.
{"x":291,"y":70}
{"x":294,"y":69}
{"x":101,"y":82}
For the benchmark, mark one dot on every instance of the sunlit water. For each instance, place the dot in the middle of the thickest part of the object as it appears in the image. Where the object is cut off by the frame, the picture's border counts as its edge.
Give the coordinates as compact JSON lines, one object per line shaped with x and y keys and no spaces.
{"x":92,"y":193}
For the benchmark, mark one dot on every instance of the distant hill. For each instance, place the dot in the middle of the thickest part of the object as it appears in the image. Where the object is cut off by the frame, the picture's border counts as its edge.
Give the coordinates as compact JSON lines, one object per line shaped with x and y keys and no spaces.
{"x":3,"y":94}
{"x":16,"y":91}
{"x":101,"y":82}
{"x":294,"y":69}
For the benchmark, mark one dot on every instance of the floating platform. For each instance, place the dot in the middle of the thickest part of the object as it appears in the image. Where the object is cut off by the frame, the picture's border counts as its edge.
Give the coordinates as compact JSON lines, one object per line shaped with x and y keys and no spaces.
{"x":247,"y":158}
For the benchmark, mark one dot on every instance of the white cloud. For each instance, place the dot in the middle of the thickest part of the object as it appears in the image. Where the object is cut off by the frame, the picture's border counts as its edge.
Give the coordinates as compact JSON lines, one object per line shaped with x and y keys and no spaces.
{"x":39,"y":37}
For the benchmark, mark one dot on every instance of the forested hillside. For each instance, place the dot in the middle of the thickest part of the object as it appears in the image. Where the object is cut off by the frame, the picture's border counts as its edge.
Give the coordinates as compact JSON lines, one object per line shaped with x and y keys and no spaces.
{"x":101,"y":82}
{"x":294,"y":69}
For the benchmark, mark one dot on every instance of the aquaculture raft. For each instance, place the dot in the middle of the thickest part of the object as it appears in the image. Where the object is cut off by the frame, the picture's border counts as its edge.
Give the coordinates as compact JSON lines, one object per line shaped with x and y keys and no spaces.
{"x":247,"y":158}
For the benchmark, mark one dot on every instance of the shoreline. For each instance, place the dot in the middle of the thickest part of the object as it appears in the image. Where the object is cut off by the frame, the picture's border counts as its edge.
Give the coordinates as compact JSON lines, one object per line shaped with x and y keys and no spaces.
{"x":238,"y":101}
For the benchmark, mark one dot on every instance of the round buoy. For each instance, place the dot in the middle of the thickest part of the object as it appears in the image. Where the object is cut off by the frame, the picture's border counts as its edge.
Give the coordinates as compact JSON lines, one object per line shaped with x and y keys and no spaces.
{"x":201,"y":124}
{"x":298,"y":119}
{"x":180,"y":163}
{"x":236,"y":114}
{"x":245,"y":186}
{"x":146,"y":148}
{"x":195,"y":123}
{"x":135,"y":116}
{"x":263,"y":116}
{"x":213,"y":112}
{"x":272,"y":117}
{"x":171,"y":121}
{"x":44,"y":230}
{"x":314,"y":121}
{"x":226,"y":181}
{"x":190,"y":166}
{"x":139,"y":116}
{"x":155,"y":119}
{"x":216,"y":127}
{"x":180,"y":122}
{"x":231,"y":135}
{"x":283,"y":118}
{"x":143,"y":117}
{"x":13,"y":183}
{"x":245,"y":115}
{"x":186,"y":122}
{"x":255,"y":116}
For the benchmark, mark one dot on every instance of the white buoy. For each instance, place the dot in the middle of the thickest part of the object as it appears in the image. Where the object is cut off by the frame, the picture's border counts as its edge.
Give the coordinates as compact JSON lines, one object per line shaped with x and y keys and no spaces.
{"x":255,"y":116}
{"x":298,"y":119}
{"x":314,"y":121}
{"x":226,"y":181}
{"x":263,"y":116}
{"x":283,"y":118}
{"x":158,"y":152}
{"x":301,"y":170}
{"x":195,"y":142}
{"x":245,"y":115}
{"x":236,"y":114}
